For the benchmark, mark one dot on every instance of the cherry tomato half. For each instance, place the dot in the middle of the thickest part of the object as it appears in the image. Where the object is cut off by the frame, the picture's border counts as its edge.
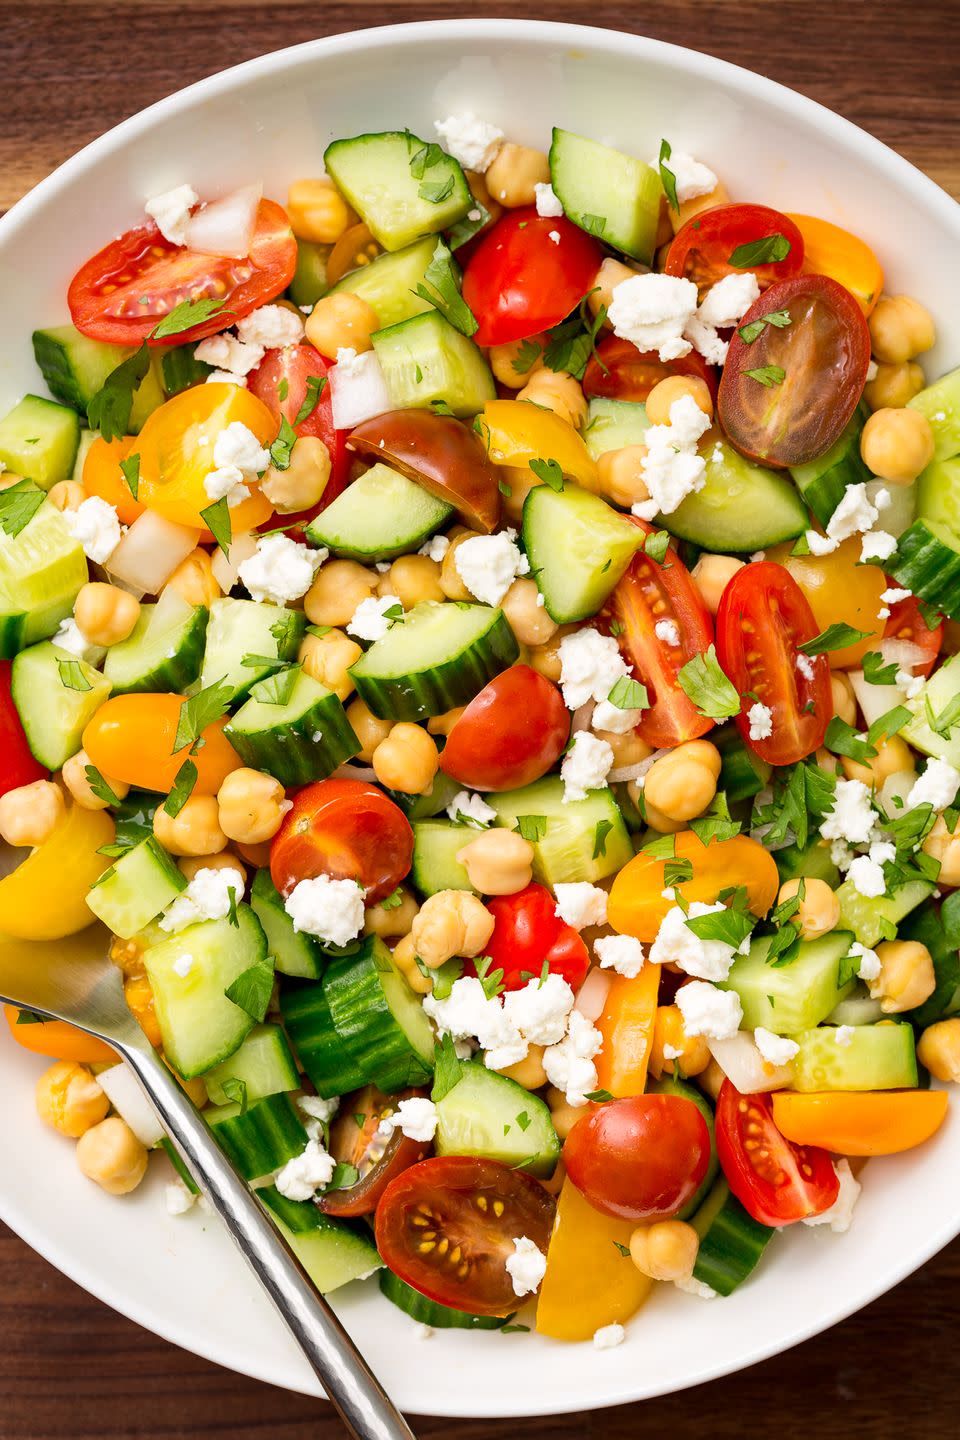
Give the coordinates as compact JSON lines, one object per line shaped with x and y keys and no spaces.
{"x":17,"y":765}
{"x":906,"y":622}
{"x":640,"y":1158}
{"x":785,"y":398}
{"x":102,"y":476}
{"x":123,"y":292}
{"x":286,"y":372}
{"x":355,"y":1138}
{"x":58,"y":1040}
{"x":763,"y":618}
{"x":829,"y":250}
{"x":518,"y":281}
{"x":527,"y":932}
{"x":345,"y":829}
{"x":455,"y":1194}
{"x":622,"y":372}
{"x":775,"y":1181}
{"x":702,"y":250}
{"x":132,"y":737}
{"x":510,"y":734}
{"x":839,"y":589}
{"x":648,"y":594}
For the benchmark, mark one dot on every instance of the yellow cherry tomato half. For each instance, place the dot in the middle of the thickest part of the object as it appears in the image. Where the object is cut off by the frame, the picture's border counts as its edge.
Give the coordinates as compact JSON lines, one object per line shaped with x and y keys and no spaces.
{"x":102,"y":476}
{"x":176,"y":453}
{"x":626,"y":1025}
{"x":132,"y":738}
{"x":840,"y":591}
{"x":589,"y":1282}
{"x":516,"y":432}
{"x":870,"y":1122}
{"x":45,"y":898}
{"x":830,"y":250}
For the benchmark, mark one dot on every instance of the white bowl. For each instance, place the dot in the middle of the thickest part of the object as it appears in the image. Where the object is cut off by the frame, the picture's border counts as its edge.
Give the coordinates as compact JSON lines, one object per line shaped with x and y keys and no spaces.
{"x":272,"y":118}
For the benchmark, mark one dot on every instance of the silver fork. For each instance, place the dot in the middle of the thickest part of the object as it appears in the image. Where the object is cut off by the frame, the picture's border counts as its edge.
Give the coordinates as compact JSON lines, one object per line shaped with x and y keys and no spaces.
{"x":74,"y":980}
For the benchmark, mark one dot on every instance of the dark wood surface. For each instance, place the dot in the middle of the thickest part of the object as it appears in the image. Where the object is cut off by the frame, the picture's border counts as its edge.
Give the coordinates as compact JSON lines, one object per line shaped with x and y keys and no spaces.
{"x":70,"y":1369}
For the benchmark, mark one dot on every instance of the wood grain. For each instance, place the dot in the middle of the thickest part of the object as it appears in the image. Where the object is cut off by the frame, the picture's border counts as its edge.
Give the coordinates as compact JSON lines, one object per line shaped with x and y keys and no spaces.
{"x":70,"y":1369}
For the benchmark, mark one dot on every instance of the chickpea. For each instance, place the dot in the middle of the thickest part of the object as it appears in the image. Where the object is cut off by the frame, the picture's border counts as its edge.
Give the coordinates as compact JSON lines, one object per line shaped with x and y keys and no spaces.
{"x":30,"y":813}
{"x":504,"y":358}
{"x":545,"y":658}
{"x":368,"y":728}
{"x":894,"y":385}
{"x":394,"y":920}
{"x":945,"y":847}
{"x":559,"y":392}
{"x":251,"y":806}
{"x":342,"y":321}
{"x":195,"y":831}
{"x":105,"y":614}
{"x":407,"y":760}
{"x":519,"y":481}
{"x":74,"y":775}
{"x":683,"y":782}
{"x":413,"y":578}
{"x":900,"y":328}
{"x":562,"y":1113}
{"x":443,"y":724}
{"x":668,"y":392}
{"x":529,"y":1071}
{"x":450,"y":582}
{"x":338,"y":588}
{"x":317,"y":211}
{"x":819,"y":910}
{"x":138,"y":993}
{"x":328,"y":658}
{"x":69,"y":1098}
{"x":711,"y":1080}
{"x":719,"y":195}
{"x":452,"y":922}
{"x":188,"y":865}
{"x":528,"y":617}
{"x":655,"y":818}
{"x":302,"y":484}
{"x":666,"y":1250}
{"x":127,"y":955}
{"x":611,"y":274}
{"x":906,"y":976}
{"x":67,"y":495}
{"x":515,"y":173}
{"x":628,"y":748}
{"x":620,"y":475}
{"x":111,"y":1154}
{"x":893,"y":754}
{"x":843,"y":699}
{"x":668,"y":1029}
{"x":194,"y":579}
{"x":896,"y":445}
{"x":405,"y":959}
{"x":498,"y":862}
{"x":711,"y":575}
{"x":939,"y":1049}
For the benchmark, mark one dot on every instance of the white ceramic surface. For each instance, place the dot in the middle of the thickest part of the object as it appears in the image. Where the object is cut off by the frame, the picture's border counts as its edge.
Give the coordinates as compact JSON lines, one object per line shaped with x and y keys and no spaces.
{"x":272,"y":118}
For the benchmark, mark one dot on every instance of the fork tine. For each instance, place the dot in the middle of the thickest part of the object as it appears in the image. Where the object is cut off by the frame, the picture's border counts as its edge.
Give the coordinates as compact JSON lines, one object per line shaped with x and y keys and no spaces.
{"x":71,"y":979}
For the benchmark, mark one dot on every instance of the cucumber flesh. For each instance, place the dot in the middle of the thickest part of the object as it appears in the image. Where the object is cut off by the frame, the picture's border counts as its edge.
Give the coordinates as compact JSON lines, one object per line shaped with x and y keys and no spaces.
{"x":75,"y":368}
{"x":742,"y":773}
{"x":822,"y":482}
{"x":938,"y":691}
{"x":875,"y":1057}
{"x":333,"y":1252}
{"x":52,"y":712}
{"x":164,"y":650}
{"x":940,"y":403}
{"x":136,"y":888}
{"x":426,"y":360}
{"x":492,"y":1116}
{"x":381,"y":515}
{"x":379,"y":1018}
{"x":400,"y":187}
{"x":302,"y":740}
{"x":670,"y":1085}
{"x":263,"y":1064}
{"x":322,"y":1052}
{"x":259,"y":1140}
{"x":742,"y":506}
{"x":582,"y":840}
{"x":294,"y":951}
{"x":435,"y":865}
{"x":428,"y":1312}
{"x":927,"y":557}
{"x":812,"y":863}
{"x":614,"y":424}
{"x":436,"y":799}
{"x":578,"y":547}
{"x":39,"y":440}
{"x":790,"y":999}
{"x":240,"y":628}
{"x":41,"y":572}
{"x":731,"y":1241}
{"x":875,"y":918}
{"x":611,"y":195}
{"x":389,"y":283}
{"x":179,"y":369}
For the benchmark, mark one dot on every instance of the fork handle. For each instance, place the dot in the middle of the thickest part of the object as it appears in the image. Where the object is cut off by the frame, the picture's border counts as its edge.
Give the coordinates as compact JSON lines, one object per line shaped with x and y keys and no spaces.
{"x":363,"y":1404}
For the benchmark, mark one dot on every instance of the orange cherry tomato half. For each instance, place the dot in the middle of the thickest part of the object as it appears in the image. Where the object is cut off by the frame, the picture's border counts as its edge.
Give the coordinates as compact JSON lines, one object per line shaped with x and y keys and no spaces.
{"x":627,"y":1024}
{"x":102,"y":476}
{"x":830,"y":250}
{"x":510,"y":734}
{"x":703,"y":248}
{"x":132,"y":738}
{"x":776,"y":1181}
{"x":639,"y":1158}
{"x":637,"y":905}
{"x":869,"y":1122}
{"x":58,"y":1040}
{"x":176,"y":453}
{"x":348,"y":830}
{"x":621,"y":371}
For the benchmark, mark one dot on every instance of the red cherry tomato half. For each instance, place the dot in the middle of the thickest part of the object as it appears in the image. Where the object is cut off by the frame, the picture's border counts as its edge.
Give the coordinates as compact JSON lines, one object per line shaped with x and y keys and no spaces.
{"x":455,"y":1194}
{"x":123,"y":292}
{"x":640,"y":1158}
{"x":906,"y":622}
{"x":17,"y":765}
{"x":355,"y":1138}
{"x":647,"y":594}
{"x":619,"y":370}
{"x":785,"y":398}
{"x":510,"y":734}
{"x":701,"y":250}
{"x":763,"y":617}
{"x":287,"y":372}
{"x":518,"y":281}
{"x":345,"y":829}
{"x":775,"y":1181}
{"x":527,"y":932}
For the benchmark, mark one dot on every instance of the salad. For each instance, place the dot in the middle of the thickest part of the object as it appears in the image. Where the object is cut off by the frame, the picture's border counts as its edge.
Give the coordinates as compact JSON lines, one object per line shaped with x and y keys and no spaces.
{"x":482,"y":638}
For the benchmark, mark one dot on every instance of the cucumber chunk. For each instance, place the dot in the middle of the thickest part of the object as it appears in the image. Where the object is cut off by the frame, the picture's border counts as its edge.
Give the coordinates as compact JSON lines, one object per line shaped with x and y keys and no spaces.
{"x":790,"y":999}
{"x":430,"y":1312}
{"x":319,"y":1047}
{"x":822,"y":482}
{"x":614,"y":424}
{"x":199,"y":1025}
{"x":381,"y":515}
{"x":53,"y":713}
{"x":938,"y":690}
{"x":941,"y":935}
{"x":940,"y":403}
{"x":742,"y":506}
{"x":578,"y":547}
{"x":164,"y":650}
{"x":671,"y":1085}
{"x":731,"y":1241}
{"x":75,"y":368}
{"x":264,"y":1065}
{"x":136,"y":888}
{"x":876,"y":1057}
{"x":180,"y":369}
{"x":88,"y":438}
{"x":425,"y":359}
{"x":294,"y":952}
{"x":927,"y":557}
{"x":399,"y":186}
{"x":435,"y":865}
{"x":612,"y":195}
{"x":439,"y":657}
{"x":260,"y":1139}
{"x":812,"y":862}
{"x":379,"y":1018}
{"x":875,"y":918}
{"x":39,"y":440}
{"x":742,"y":773}
{"x":41,"y":572}
{"x":303,"y":740}
{"x":333,"y":1252}
{"x":491,"y":1115}
{"x":435,"y":800}
{"x":581,"y":840}
{"x":389,"y":283}
{"x":240,"y":629}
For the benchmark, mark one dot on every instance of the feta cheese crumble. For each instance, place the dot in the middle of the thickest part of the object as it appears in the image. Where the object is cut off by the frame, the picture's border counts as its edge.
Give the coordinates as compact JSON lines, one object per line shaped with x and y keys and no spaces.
{"x":547,"y":203}
{"x":691,"y":176}
{"x":608,"y":1337}
{"x":227,"y":481}
{"x":435,"y":548}
{"x":526,"y":1266}
{"x":714,"y":1014}
{"x":870,"y":966}
{"x":937,"y":786}
{"x":225,"y":353}
{"x":867,"y":877}
{"x":840,"y":1214}
{"x":851,"y":817}
{"x":585,"y":766}
{"x":271,"y":327}
{"x":302,"y":1176}
{"x":207,"y":897}
{"x":237,"y":445}
{"x":677,"y":944}
{"x":96,"y":526}
{"x":330,"y":909}
{"x":590,"y":666}
{"x":580,"y":904}
{"x":489,"y":564}
{"x":280,"y":570}
{"x":653,"y":311}
{"x":370,"y":620}
{"x":761,"y":721}
{"x":468,"y":1013}
{"x":775,"y":1049}
{"x":417,"y":1118}
{"x":182,"y":966}
{"x":666,"y":630}
{"x":855,"y":515}
{"x":171,"y":212}
{"x":472,"y":141}
{"x":805,"y":667}
{"x":621,"y":953}
{"x":540,"y":1010}
{"x":468,"y":806}
{"x":71,"y":638}
{"x":671,"y":467}
{"x":179,"y":1200}
{"x":613,"y":719}
{"x":358,"y":390}
{"x":316,"y":1113}
{"x":569,"y":1064}
{"x":723,"y":306}
{"x":843,"y":1035}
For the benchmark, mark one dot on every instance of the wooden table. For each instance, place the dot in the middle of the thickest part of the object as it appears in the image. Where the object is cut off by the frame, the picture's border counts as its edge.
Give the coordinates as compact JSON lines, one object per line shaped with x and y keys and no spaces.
{"x":70,"y":1369}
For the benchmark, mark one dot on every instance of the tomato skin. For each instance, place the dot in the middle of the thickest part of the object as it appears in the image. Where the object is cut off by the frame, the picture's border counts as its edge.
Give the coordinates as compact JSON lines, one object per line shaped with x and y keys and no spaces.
{"x":639,"y":1158}
{"x":528,"y":932}
{"x":510,"y":734}
{"x":102,"y":476}
{"x":354,"y":1138}
{"x":862,"y":1122}
{"x":59,"y":1041}
{"x":646,"y":594}
{"x":839,"y":589}
{"x":906,"y":622}
{"x":763,"y":618}
{"x":17,"y":765}
{"x":824,"y":353}
{"x":830,"y":250}
{"x":132,"y":736}
{"x":439,"y":453}
{"x":518,"y":281}
{"x":295,"y":364}
{"x":775,"y":1181}
{"x":622,"y":372}
{"x":105,"y":296}
{"x":450,"y":1187}
{"x":348,"y":830}
{"x":701,"y":249}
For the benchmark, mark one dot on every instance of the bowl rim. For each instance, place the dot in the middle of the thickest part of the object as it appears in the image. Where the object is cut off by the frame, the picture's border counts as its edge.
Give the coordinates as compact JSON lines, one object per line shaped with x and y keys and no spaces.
{"x":700,"y":65}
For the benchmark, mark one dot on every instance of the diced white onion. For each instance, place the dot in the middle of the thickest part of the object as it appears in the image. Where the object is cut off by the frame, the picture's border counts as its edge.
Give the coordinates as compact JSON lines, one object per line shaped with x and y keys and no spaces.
{"x":581,"y":718}
{"x":225,"y":571}
{"x":150,"y":551}
{"x":744,"y":1066}
{"x":874,"y":700}
{"x":635,"y":771}
{"x":592,"y":995}
{"x":225,"y":227}
{"x":903,"y":653}
{"x":122,"y":1089}
{"x":896,"y":787}
{"x":355,"y":772}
